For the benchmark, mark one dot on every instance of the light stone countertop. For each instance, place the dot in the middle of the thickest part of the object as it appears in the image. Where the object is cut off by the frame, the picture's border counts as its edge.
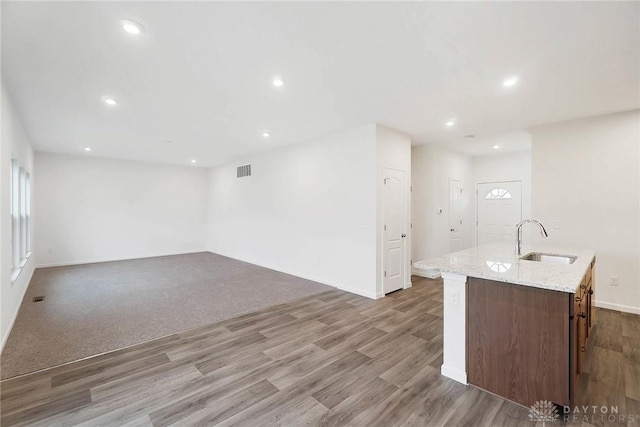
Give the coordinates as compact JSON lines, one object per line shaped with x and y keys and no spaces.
{"x":499,"y":262}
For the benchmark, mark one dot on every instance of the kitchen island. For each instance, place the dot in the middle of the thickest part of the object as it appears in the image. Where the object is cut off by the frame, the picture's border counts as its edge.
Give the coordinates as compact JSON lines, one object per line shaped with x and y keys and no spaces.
{"x":517,"y":327}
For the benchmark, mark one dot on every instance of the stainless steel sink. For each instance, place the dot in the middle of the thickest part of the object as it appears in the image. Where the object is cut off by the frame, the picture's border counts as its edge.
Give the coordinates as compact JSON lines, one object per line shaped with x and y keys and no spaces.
{"x":549,"y":258}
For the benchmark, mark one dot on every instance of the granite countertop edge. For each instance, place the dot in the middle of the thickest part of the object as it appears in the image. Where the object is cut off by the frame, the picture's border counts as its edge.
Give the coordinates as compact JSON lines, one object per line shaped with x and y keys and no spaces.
{"x":499,"y":262}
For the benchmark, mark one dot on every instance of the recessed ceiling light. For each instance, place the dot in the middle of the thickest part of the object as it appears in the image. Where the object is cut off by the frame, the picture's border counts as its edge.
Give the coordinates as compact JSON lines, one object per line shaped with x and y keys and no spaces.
{"x":450,"y":123}
{"x":132,"y":27}
{"x":87,"y":149}
{"x":193,"y":160}
{"x":278,"y":82}
{"x":266,"y":134}
{"x":495,"y":147}
{"x":511,"y":81}
{"x":109,"y":100}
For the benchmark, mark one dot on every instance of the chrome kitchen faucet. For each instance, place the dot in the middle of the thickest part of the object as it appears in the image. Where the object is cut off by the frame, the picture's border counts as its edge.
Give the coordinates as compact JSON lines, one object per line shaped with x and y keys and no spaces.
{"x":543,"y":232}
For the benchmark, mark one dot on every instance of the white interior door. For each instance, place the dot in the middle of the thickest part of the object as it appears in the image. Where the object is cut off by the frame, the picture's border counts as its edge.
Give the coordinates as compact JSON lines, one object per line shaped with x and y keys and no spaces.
{"x":499,"y":210}
{"x":455,"y":215}
{"x":394,"y":230}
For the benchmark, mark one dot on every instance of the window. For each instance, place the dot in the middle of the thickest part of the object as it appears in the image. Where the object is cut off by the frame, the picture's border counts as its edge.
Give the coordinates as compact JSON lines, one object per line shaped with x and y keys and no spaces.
{"x":15,"y":215}
{"x":20,"y":217}
{"x":27,"y":214}
{"x":498,"y":193}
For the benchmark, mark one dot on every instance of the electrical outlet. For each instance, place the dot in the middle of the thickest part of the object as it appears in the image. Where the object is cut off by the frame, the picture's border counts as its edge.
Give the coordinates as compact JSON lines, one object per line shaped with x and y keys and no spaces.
{"x":614,"y":281}
{"x":454,"y":298}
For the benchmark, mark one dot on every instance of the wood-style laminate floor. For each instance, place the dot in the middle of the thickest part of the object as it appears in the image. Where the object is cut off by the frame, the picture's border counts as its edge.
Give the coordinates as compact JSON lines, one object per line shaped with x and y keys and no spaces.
{"x":329,"y":359}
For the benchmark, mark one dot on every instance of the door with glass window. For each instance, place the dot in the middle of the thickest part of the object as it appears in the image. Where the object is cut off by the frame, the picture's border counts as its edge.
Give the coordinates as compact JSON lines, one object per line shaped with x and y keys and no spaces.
{"x":499,"y":211}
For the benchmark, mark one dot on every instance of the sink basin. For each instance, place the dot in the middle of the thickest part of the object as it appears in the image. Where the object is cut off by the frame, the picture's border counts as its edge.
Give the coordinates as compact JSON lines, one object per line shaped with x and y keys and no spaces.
{"x":549,"y":258}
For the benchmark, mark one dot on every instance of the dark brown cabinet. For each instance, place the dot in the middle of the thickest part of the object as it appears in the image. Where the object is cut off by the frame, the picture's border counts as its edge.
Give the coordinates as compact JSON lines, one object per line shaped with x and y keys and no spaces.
{"x":527,"y":344}
{"x":582,"y":323}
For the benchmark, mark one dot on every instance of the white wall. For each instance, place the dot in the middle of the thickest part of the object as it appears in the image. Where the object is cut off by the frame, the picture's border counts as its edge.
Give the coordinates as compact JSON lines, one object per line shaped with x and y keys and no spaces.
{"x":308,"y":209}
{"x":91,"y":209}
{"x":514,"y":166}
{"x":586,"y":175}
{"x":393,"y":152}
{"x":15,"y":144}
{"x":432,"y":167}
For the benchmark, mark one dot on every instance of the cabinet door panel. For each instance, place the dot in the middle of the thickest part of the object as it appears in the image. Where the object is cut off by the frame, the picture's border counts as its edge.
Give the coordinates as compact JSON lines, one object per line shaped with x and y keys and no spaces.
{"x":518,"y":341}
{"x":573,"y":350}
{"x":589,"y":308}
{"x":582,"y":350}
{"x":581,"y":336}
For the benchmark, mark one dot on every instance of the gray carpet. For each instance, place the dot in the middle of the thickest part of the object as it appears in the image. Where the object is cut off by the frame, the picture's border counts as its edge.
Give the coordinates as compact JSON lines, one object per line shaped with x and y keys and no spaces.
{"x":93,"y":308}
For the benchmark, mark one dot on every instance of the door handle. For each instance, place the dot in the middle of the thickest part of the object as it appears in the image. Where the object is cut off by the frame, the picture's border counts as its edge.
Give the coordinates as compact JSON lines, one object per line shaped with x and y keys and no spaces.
{"x":403,"y":236}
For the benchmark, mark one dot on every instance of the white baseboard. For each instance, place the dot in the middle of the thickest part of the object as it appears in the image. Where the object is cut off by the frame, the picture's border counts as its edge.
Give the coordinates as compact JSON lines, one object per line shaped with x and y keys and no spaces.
{"x":16,"y":311}
{"x":618,"y":307}
{"x":100,"y":260}
{"x":346,"y":288}
{"x":426,"y":273}
{"x":356,"y":291}
{"x":454,"y":374}
{"x":372,"y":295}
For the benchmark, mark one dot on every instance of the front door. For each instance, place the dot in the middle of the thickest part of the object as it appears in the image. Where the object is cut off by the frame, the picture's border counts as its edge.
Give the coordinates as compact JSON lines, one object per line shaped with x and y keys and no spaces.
{"x":499,"y":211}
{"x":394,"y":230}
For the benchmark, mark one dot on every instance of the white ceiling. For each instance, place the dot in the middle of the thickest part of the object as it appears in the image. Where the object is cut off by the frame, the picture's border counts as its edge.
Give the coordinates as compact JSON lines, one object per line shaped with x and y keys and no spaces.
{"x":484,"y":145}
{"x":200,"y":76}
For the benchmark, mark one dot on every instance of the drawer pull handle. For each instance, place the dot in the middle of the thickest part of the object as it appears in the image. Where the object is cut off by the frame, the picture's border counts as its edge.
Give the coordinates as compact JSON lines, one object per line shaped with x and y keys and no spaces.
{"x":583,"y":315}
{"x":583,"y":349}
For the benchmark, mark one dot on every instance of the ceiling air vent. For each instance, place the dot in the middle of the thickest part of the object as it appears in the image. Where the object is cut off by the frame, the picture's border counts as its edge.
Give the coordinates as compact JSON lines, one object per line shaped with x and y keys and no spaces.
{"x":244,"y":171}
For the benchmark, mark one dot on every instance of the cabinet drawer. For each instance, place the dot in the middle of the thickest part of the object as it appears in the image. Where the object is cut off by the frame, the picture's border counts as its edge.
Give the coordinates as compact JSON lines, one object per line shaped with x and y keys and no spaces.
{"x":580,"y":297}
{"x":582,"y":288}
